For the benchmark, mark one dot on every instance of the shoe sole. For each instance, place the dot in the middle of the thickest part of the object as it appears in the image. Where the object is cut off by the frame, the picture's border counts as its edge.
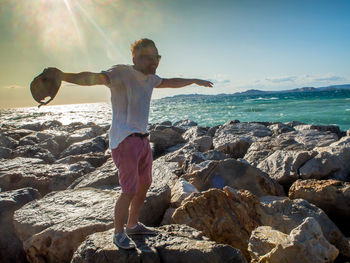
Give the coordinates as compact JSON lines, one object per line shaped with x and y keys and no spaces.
{"x":126,"y":248}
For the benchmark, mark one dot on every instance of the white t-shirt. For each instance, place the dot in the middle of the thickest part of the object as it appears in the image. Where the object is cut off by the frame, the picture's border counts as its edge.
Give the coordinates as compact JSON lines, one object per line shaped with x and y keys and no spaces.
{"x":131,"y":92}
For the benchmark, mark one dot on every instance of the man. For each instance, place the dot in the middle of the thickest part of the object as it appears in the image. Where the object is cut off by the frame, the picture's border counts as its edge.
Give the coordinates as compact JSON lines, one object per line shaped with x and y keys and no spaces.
{"x":131,"y":88}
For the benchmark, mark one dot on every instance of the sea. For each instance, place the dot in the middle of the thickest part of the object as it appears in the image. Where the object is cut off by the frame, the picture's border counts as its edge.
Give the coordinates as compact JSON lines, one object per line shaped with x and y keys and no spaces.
{"x":317,"y":107}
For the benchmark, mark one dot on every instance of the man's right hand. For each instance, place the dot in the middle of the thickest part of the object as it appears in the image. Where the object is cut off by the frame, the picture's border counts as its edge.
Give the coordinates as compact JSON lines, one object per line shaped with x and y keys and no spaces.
{"x":52,"y":72}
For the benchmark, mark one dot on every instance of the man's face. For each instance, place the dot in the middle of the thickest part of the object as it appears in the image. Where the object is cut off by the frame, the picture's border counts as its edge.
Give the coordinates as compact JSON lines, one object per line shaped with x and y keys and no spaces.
{"x":147,"y":60}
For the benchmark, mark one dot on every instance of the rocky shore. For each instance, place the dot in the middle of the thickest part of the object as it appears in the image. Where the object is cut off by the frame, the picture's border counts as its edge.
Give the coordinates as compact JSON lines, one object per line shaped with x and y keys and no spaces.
{"x":237,"y":192}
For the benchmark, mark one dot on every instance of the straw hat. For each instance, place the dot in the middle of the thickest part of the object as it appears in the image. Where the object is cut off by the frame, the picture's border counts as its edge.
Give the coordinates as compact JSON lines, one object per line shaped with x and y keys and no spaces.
{"x":46,"y":84}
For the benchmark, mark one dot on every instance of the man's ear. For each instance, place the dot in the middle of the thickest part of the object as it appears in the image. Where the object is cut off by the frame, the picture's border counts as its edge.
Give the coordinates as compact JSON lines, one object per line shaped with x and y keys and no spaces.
{"x":134,"y":60}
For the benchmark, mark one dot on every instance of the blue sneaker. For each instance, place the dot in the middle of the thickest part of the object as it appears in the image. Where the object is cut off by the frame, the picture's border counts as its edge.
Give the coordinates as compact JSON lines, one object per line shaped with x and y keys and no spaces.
{"x":122,"y":240}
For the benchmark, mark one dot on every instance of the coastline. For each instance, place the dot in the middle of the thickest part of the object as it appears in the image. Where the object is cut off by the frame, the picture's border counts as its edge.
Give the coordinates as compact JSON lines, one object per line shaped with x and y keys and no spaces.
{"x":237,"y":173}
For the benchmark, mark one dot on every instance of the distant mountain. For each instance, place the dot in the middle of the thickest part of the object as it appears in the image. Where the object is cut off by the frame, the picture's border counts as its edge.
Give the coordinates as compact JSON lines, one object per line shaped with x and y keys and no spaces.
{"x":251,"y":92}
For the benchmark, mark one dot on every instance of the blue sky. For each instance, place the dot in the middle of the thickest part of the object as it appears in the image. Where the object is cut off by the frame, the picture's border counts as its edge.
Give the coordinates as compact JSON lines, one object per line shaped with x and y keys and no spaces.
{"x":240,"y":45}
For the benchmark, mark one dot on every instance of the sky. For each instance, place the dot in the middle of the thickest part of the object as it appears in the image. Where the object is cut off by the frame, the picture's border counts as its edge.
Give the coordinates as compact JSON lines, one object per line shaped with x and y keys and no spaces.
{"x":237,"y":44}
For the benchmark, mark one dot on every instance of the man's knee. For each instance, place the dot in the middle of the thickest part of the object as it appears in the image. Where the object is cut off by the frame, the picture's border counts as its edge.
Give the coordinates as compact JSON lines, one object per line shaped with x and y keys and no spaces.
{"x":126,"y":196}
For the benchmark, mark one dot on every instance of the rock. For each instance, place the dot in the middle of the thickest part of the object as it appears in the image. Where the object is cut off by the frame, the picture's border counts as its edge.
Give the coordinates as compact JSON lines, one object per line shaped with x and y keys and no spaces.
{"x":164,"y":173}
{"x":45,"y":178}
{"x":227,"y":216}
{"x":235,"y":174}
{"x":33,"y":151}
{"x":323,"y":128}
{"x":284,"y":214}
{"x":85,"y":134}
{"x":185,"y":124}
{"x":283,"y":166}
{"x":304,"y":243}
{"x":203,"y":143}
{"x":53,"y":227}
{"x":167,"y":216}
{"x":5,"y":153}
{"x":157,"y":202}
{"x":54,"y":141}
{"x":180,"y":191}
{"x":279,"y":128}
{"x":235,"y":139}
{"x":17,"y":134}
{"x":174,"y":243}
{"x":7,"y":142}
{"x":211,"y":131}
{"x":165,"y":138}
{"x":332,"y":196}
{"x":348,"y":132}
{"x":97,"y":144}
{"x":10,"y":246}
{"x":106,"y":175}
{"x":36,"y":126}
{"x":193,"y":133}
{"x":52,"y":125}
{"x":332,"y":161}
{"x":96,"y":159}
{"x":215,"y":155}
{"x":304,"y":140}
{"x":167,"y":123}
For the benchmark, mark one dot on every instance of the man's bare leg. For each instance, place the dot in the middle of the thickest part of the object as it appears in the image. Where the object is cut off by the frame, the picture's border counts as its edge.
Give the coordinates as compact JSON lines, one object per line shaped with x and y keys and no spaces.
{"x":136,"y":205}
{"x":121,"y":211}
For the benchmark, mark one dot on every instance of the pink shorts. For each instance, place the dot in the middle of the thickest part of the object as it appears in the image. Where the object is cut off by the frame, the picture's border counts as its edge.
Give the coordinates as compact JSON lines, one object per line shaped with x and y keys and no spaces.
{"x":133,"y":158}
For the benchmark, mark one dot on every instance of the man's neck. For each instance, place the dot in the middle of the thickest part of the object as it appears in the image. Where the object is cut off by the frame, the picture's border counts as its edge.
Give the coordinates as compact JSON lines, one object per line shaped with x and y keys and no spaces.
{"x":136,"y":68}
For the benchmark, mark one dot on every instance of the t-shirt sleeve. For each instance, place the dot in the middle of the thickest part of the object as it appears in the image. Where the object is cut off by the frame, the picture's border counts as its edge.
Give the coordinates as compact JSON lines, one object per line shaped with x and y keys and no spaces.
{"x":113,"y":75}
{"x":156,"y":80}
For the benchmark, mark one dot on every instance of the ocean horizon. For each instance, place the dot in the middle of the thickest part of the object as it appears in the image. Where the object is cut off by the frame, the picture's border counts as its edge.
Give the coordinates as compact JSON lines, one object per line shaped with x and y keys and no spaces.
{"x":323,"y":107}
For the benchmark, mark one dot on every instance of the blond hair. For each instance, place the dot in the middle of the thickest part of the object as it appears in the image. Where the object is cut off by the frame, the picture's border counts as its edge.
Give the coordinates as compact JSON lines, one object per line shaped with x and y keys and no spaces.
{"x":139,"y":45}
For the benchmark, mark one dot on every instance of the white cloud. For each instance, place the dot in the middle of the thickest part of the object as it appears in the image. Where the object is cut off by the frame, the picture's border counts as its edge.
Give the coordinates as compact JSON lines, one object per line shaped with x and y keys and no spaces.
{"x":292,"y":81}
{"x":14,"y":87}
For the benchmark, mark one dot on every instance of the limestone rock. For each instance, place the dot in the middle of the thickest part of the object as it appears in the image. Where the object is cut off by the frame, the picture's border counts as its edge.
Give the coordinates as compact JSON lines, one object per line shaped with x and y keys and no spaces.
{"x":332,"y":161}
{"x":279,"y":128}
{"x":106,"y":175}
{"x":332,"y":196}
{"x":96,"y":159}
{"x":193,"y":133}
{"x":203,"y":143}
{"x":45,"y":178}
{"x":85,"y":134}
{"x":165,"y":138}
{"x":180,"y":191}
{"x":283,"y":166}
{"x":53,"y":227}
{"x":33,"y":151}
{"x":303,"y":140}
{"x":10,"y":246}
{"x":284,"y":214}
{"x":97,"y":144}
{"x":185,"y":123}
{"x":173,"y":243}
{"x":227,"y":216}
{"x":54,"y":141}
{"x":324,"y":128}
{"x":235,"y":139}
{"x":167,"y":216}
{"x":7,"y":141}
{"x":17,"y":134}
{"x":305,"y":243}
{"x":235,"y":174}
{"x":5,"y":153}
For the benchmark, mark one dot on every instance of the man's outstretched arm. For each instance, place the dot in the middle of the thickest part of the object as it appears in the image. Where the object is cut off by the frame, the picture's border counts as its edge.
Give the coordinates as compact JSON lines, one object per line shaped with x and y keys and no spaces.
{"x":180,"y":82}
{"x":82,"y":78}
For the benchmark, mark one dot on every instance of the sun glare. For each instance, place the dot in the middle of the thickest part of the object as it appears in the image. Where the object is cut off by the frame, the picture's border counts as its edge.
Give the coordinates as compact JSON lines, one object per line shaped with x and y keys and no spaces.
{"x":58,"y":25}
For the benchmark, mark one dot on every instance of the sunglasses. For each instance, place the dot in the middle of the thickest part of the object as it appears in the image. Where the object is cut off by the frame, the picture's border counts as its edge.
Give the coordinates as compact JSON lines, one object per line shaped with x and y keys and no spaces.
{"x":150,"y":57}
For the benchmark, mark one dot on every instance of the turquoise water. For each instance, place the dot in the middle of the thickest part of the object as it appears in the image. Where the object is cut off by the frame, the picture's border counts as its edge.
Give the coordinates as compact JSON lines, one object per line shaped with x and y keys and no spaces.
{"x":322,"y":107}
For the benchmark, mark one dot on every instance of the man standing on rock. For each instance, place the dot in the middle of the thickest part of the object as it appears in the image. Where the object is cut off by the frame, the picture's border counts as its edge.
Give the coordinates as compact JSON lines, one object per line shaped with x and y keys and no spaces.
{"x":131,"y":88}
